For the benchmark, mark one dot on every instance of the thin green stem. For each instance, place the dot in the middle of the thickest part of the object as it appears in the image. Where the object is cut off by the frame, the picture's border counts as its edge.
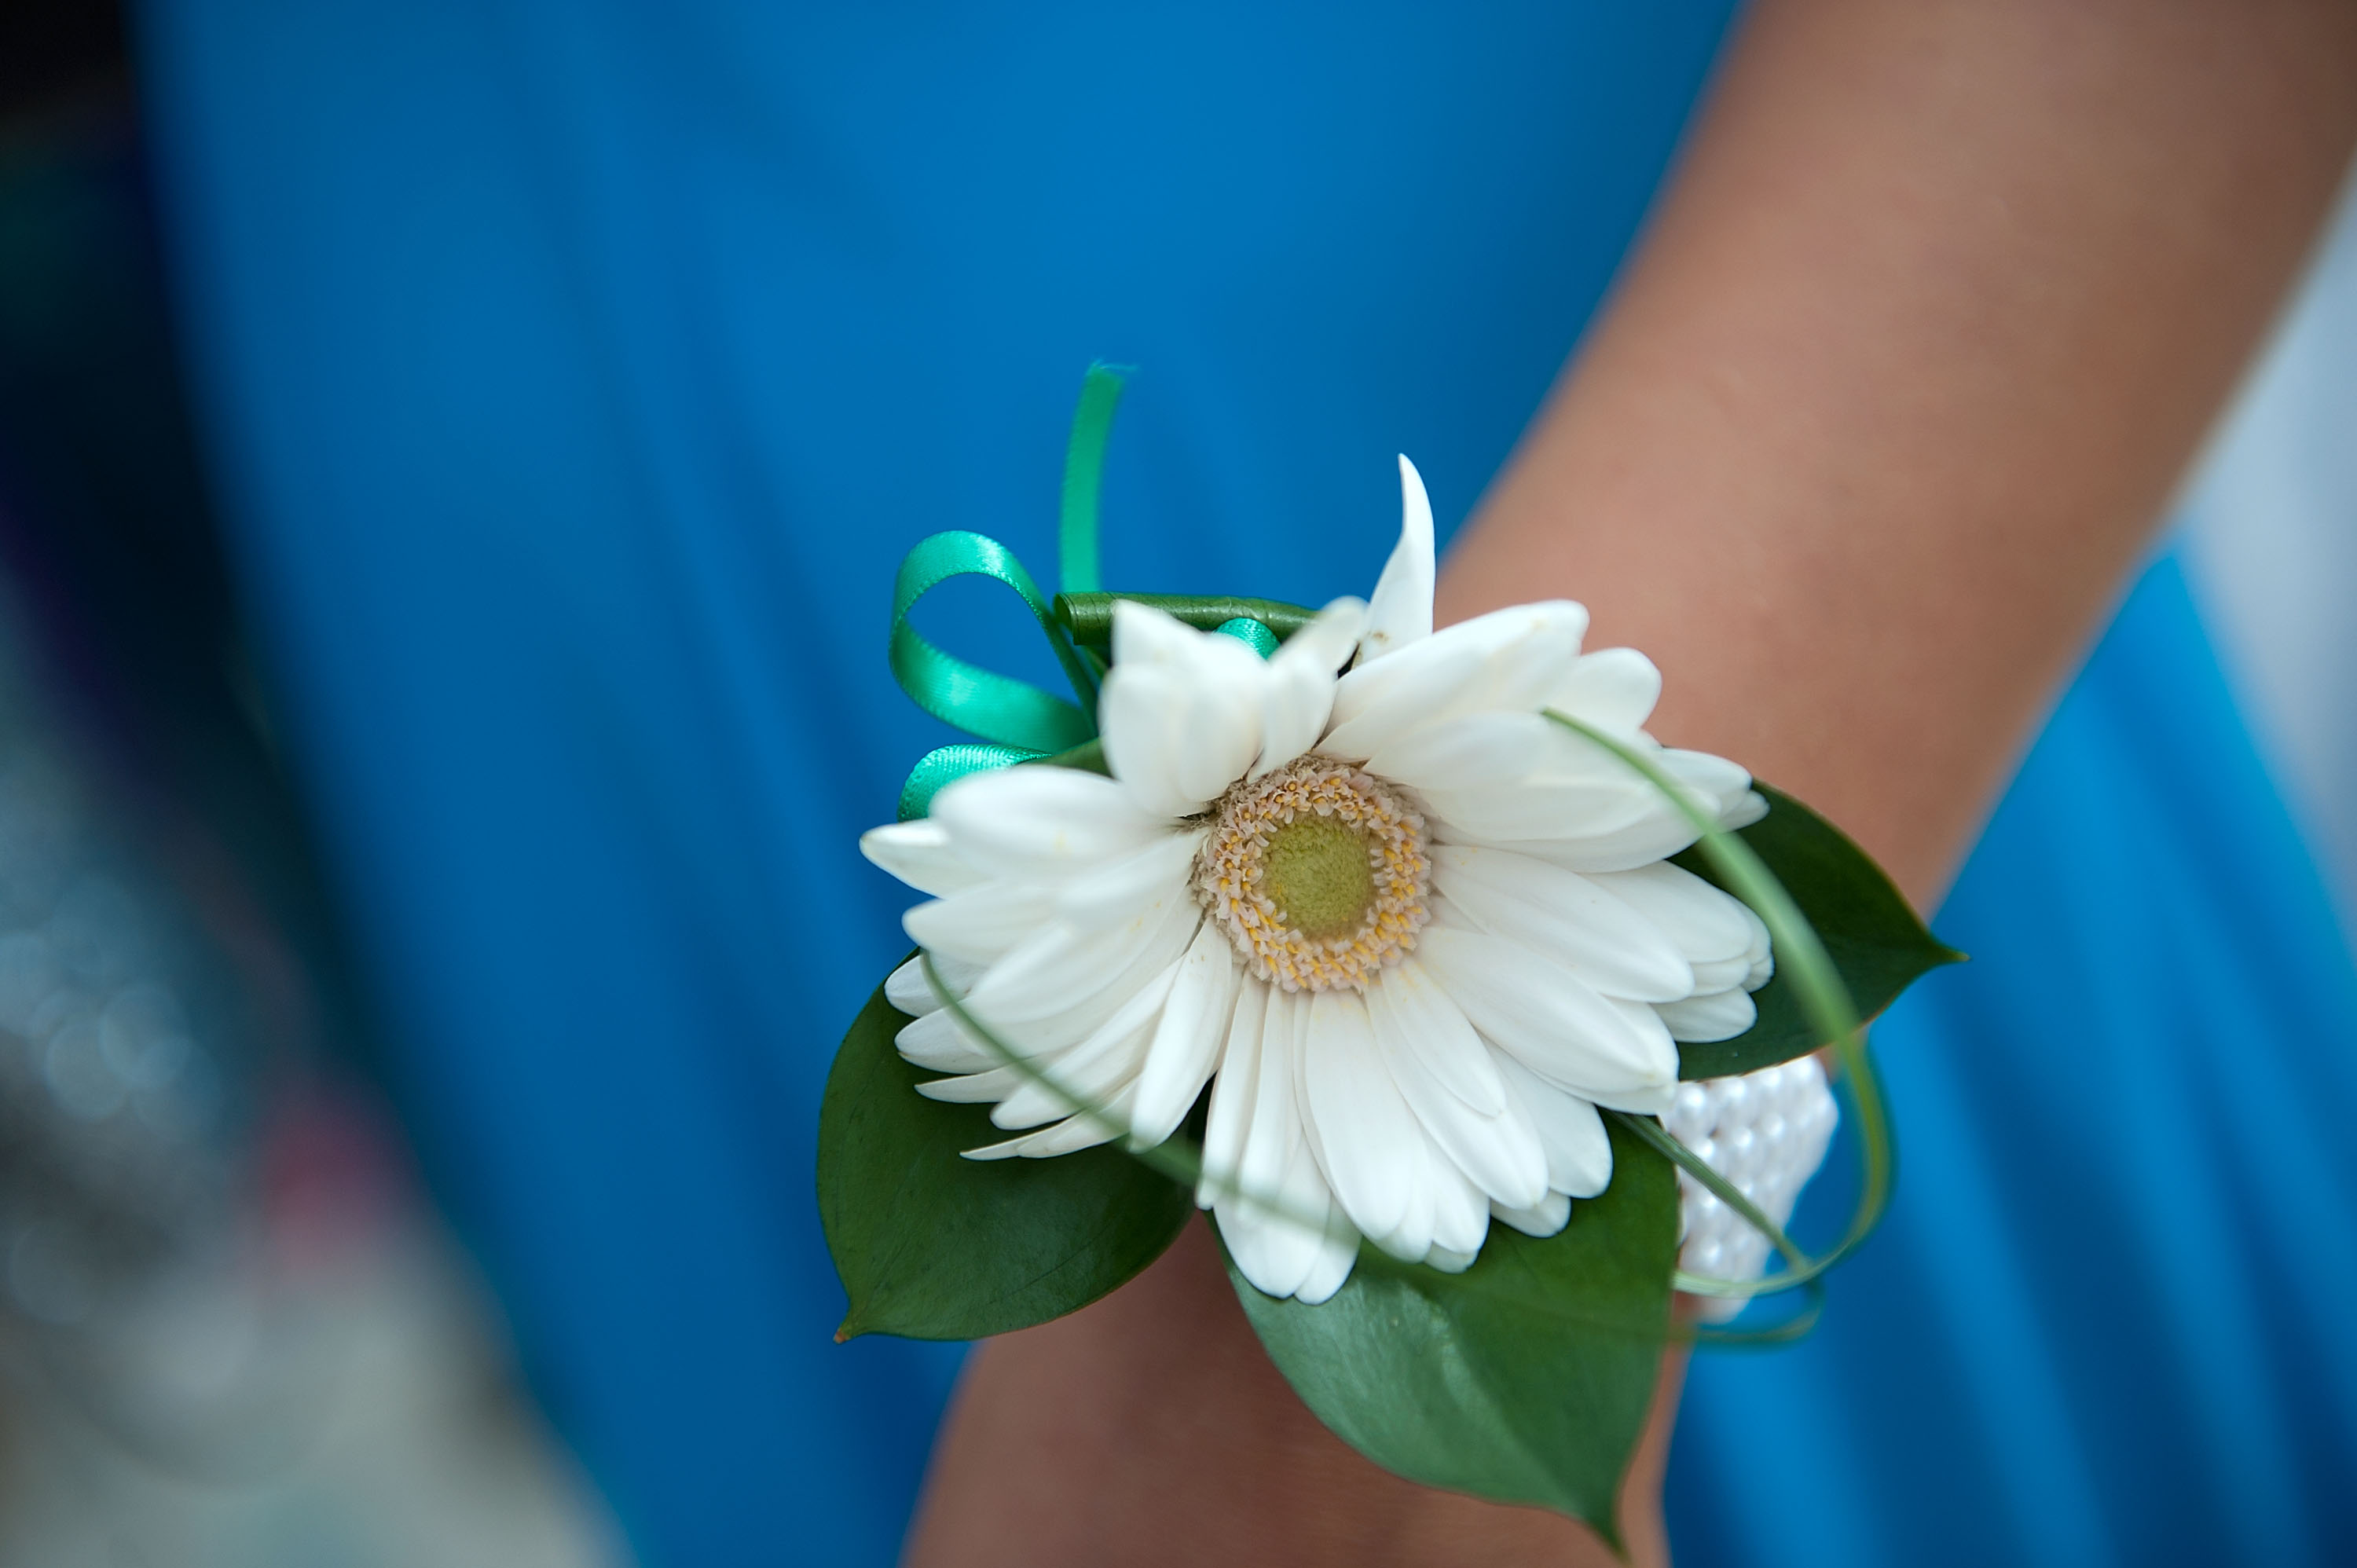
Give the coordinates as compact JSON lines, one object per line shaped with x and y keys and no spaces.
{"x":1087,"y":616}
{"x":1177,"y":1156}
{"x":1824,"y":998}
{"x":1658,"y":1138}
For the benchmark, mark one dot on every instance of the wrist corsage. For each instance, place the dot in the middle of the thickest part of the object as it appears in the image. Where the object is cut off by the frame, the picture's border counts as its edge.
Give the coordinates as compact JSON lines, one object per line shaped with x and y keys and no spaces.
{"x":1481,"y":1022}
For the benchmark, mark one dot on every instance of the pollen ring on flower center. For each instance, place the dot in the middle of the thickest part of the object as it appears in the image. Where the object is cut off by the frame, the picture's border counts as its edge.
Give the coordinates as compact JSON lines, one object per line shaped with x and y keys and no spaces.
{"x":1317,"y":871}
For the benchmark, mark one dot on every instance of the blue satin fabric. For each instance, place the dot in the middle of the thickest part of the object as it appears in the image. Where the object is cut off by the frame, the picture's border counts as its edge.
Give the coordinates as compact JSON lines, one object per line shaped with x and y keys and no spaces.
{"x":2106,"y":1319}
{"x":579,"y":373}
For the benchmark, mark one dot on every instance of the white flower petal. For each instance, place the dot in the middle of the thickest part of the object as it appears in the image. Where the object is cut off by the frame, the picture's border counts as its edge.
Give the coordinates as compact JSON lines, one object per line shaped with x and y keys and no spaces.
{"x":1367,"y":1139}
{"x":1148,"y":716}
{"x":1722,"y":974}
{"x":1376,"y":704}
{"x":1232,"y":1092}
{"x":1742,"y":811}
{"x":1322,"y":1254}
{"x":907,"y":988}
{"x":1034,"y":823}
{"x":935,"y":1041}
{"x":1715,"y":776}
{"x":1114,"y":890}
{"x":1298,"y":696}
{"x":1565,"y":918}
{"x":1066,"y":1137}
{"x":1338,"y":1250}
{"x":1507,"y":748}
{"x":1499,"y":1153}
{"x":985,"y":1088}
{"x":1445,"y":912}
{"x":1279,"y":1224}
{"x":1092,"y":1070}
{"x":1410,"y":1241}
{"x":1763,"y":961}
{"x":1043,"y":1038}
{"x":1577,"y":814}
{"x":1492,"y":661}
{"x":1648,"y":1100}
{"x":1614,"y":689}
{"x":1451,"y":1054}
{"x":1400,"y":610}
{"x":1718,"y":1016}
{"x":1538,"y":665}
{"x":1545,"y":1218}
{"x":1065,"y":964}
{"x":1517,"y":776}
{"x":1460,"y":1217}
{"x":979,"y":925}
{"x":919,"y":854}
{"x":1578,"y":1151}
{"x":1551,"y":1021}
{"x":1703,"y":922}
{"x":1659,"y":834}
{"x":1274,"y":1122}
{"x":1144,"y":638}
{"x":1078,"y":1133}
{"x":1186,"y":1045}
{"x":1182,"y":723}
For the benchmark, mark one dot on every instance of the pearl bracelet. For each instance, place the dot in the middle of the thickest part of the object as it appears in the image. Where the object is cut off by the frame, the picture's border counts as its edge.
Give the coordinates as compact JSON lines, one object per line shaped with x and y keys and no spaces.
{"x":1766,"y":1132}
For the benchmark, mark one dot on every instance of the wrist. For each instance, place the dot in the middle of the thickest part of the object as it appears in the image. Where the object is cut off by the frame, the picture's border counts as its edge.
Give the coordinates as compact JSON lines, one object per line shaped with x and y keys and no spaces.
{"x":1152,"y":1427}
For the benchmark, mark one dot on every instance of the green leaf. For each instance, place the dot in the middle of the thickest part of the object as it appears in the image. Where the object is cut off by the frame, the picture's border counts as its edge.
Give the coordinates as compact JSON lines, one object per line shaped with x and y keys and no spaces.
{"x":1088,"y":617}
{"x":1525,"y":1379}
{"x":933,"y":1246}
{"x":1869,"y":931}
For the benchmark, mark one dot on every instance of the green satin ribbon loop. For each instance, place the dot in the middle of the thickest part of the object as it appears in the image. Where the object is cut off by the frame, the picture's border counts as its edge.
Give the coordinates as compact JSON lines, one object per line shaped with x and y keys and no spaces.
{"x":997,"y":708}
{"x":944,"y":766}
{"x":1249,"y":632}
{"x":1014,"y":720}
{"x":1084,"y":454}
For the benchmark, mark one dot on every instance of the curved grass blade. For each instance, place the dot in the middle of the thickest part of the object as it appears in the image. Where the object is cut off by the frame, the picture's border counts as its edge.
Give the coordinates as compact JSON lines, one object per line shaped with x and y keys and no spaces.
{"x":1177,"y":1156}
{"x":1824,"y":997}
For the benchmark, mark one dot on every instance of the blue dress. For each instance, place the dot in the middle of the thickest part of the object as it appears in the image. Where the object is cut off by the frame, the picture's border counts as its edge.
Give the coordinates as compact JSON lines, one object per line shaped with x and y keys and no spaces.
{"x":579,"y":373}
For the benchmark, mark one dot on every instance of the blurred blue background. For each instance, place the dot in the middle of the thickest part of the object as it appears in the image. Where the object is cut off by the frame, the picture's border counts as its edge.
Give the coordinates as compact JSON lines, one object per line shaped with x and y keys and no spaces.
{"x":563,"y":383}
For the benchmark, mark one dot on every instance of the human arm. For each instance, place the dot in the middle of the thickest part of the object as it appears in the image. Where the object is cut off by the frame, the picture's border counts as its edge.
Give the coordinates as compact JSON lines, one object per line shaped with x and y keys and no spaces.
{"x":1934,"y":314}
{"x":1930,"y":322}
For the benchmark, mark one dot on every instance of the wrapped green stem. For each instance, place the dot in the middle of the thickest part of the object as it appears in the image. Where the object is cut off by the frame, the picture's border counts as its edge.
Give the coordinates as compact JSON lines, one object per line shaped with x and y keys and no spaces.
{"x":1088,"y":617}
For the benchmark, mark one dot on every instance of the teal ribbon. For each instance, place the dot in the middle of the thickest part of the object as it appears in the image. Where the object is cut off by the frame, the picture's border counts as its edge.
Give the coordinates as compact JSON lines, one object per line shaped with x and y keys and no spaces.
{"x":944,"y":766}
{"x":999,"y":708}
{"x":1014,"y":720}
{"x":1249,"y":632}
{"x":1084,"y":453}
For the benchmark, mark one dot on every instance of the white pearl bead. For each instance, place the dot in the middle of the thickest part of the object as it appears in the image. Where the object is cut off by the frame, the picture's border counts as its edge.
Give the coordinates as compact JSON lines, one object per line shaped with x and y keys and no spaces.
{"x":1766,"y":1133}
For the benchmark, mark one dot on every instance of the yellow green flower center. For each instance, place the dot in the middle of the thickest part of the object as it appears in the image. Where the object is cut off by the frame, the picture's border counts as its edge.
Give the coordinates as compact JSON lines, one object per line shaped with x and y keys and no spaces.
{"x":1317,"y":874}
{"x":1317,"y":871}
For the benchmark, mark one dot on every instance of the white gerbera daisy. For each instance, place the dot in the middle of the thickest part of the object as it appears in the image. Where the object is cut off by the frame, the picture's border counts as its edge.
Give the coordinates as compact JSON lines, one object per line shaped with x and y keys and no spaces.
{"x":1411,"y":932}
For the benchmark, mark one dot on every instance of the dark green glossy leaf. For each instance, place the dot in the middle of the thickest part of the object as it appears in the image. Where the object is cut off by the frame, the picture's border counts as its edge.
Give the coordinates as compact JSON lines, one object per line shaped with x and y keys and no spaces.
{"x":933,"y":1246}
{"x":1869,"y":930}
{"x":1525,"y":1379}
